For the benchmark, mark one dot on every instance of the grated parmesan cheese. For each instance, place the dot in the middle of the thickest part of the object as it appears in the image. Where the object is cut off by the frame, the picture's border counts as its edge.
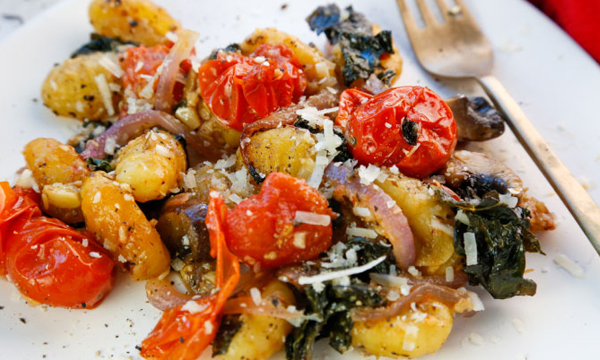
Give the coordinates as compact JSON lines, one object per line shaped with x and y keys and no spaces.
{"x":361,"y":211}
{"x":105,"y":94}
{"x":352,"y":230}
{"x":108,"y":62}
{"x":519,"y":325}
{"x":410,"y":335}
{"x":368,"y":174}
{"x":256,"y":297}
{"x":26,"y":180}
{"x":300,"y":240}
{"x":476,"y":339}
{"x":569,"y":265}
{"x":470,"y":248}
{"x":193,"y":307}
{"x":326,"y":276}
{"x":95,"y":255}
{"x":189,"y":179}
{"x":449,"y":274}
{"x":226,"y":163}
{"x":462,"y":217}
{"x":110,"y":146}
{"x":392,"y":281}
{"x":310,"y":218}
{"x":319,"y":170}
{"x":235,"y":198}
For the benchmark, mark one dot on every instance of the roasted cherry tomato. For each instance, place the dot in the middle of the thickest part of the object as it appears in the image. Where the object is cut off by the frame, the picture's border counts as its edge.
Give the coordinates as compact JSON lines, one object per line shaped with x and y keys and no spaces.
{"x":181,"y":334}
{"x":242,"y":89}
{"x":14,"y":204}
{"x":264,"y":228}
{"x":48,"y":261}
{"x":410,"y":127}
{"x":139,"y":63}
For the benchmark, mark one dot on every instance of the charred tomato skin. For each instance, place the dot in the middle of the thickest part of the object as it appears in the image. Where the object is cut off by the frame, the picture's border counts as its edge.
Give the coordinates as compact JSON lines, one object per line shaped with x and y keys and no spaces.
{"x":409,"y":126}
{"x":262,"y":229}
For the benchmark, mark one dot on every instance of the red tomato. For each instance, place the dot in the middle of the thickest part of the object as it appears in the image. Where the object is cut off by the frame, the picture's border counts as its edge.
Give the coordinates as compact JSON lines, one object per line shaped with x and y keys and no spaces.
{"x":182,"y":335}
{"x":47,"y":260}
{"x":262,"y":229}
{"x":410,"y":127}
{"x":14,"y":204}
{"x":242,"y":89}
{"x":140,"y":62}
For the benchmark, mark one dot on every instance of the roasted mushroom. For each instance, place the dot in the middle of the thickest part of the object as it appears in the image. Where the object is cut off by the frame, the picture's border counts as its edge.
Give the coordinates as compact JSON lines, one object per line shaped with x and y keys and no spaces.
{"x":476,"y":118}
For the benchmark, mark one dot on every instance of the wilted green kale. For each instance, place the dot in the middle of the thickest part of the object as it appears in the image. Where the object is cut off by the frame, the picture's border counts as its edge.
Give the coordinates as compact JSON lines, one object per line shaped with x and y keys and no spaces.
{"x":329,"y":311}
{"x":230,"y":325}
{"x":502,"y":236}
{"x":99,"y":43}
{"x":361,"y":49}
{"x":100,"y":164}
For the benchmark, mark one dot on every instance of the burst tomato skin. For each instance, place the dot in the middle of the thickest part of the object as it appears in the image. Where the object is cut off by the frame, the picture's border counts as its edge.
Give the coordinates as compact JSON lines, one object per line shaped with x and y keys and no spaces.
{"x":261,"y":229}
{"x":48,"y":261}
{"x":180,"y":334}
{"x":410,"y":127}
{"x":242,"y":89}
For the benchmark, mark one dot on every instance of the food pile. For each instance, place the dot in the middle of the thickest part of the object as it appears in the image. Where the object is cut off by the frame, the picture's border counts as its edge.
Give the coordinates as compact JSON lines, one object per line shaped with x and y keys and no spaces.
{"x":296,"y":195}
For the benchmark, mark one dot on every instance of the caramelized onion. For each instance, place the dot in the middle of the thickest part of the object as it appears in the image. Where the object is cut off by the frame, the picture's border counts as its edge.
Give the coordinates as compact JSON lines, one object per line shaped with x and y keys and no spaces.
{"x":130,"y":127}
{"x":457,"y":300}
{"x":163,"y":295}
{"x":164,"y":100}
{"x":390,"y":221}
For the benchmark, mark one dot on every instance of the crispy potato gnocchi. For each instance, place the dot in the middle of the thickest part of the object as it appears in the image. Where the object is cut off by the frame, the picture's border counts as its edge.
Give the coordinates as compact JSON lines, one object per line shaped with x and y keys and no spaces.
{"x":431,"y":221}
{"x":152,"y":164}
{"x":51,"y":161}
{"x":287,"y":149}
{"x":319,"y":71}
{"x":141,"y":21}
{"x":73,"y":88}
{"x":112,"y":214}
{"x":261,"y":336}
{"x":412,"y":334}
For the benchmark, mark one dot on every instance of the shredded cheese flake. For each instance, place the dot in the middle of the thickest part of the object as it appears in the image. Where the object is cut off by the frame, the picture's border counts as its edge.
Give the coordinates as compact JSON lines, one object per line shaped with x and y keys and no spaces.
{"x":310,"y":218}
{"x":470,"y":248}
{"x":108,"y":62}
{"x":193,"y":307}
{"x":256,"y":297}
{"x":569,"y":265}
{"x":326,"y":276}
{"x":105,"y":94}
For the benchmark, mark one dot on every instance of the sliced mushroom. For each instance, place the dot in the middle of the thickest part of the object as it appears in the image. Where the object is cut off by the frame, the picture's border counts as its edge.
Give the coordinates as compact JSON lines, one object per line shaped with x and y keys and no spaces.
{"x":181,"y":227}
{"x":476,"y":118}
{"x":481,"y":174}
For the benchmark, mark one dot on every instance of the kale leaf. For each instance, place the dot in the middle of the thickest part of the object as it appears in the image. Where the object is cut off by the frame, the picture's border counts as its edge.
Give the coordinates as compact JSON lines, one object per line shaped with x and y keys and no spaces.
{"x":368,"y":251}
{"x":99,"y":43}
{"x":329,"y":311}
{"x":361,"y":50}
{"x":230,"y":325}
{"x":99,"y":164}
{"x":502,"y":236}
{"x":361,"y":54}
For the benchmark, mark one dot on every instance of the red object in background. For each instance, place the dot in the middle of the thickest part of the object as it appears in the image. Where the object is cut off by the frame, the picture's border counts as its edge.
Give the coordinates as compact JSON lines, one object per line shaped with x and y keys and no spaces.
{"x":579,"y":18}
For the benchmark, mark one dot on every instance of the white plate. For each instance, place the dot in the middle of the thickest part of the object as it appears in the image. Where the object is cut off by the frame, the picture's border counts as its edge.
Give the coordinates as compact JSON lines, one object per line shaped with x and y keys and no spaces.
{"x":557,"y":84}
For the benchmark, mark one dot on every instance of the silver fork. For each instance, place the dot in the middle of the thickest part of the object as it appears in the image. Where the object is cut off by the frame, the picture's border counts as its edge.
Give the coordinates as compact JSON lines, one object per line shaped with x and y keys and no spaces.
{"x":456,"y":48}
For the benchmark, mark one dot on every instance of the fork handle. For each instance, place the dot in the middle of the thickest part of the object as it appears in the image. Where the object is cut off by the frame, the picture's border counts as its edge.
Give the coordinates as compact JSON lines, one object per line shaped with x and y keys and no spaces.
{"x":575,"y":197}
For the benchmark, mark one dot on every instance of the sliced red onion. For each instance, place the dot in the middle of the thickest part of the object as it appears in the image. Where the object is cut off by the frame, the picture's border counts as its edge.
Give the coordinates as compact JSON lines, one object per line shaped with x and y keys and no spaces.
{"x":163,"y":295}
{"x":391,"y":220}
{"x":447,"y":296}
{"x":164,"y":100}
{"x":130,"y":127}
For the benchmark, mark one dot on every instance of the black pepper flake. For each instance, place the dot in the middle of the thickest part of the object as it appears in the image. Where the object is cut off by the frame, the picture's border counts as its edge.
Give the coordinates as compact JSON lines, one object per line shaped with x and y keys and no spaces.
{"x":133,"y":23}
{"x":23,"y":320}
{"x":1,"y":307}
{"x":181,"y":340}
{"x":88,"y":97}
{"x":410,"y":131}
{"x":284,"y":6}
{"x":83,"y":305}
